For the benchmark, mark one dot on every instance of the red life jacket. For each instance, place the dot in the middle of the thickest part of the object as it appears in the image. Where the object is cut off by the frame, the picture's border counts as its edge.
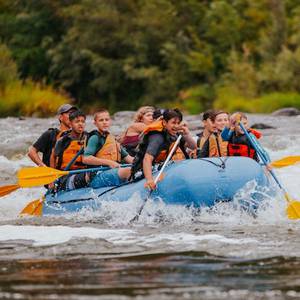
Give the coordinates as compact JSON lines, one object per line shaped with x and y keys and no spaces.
{"x":256,"y":133}
{"x":240,"y":146}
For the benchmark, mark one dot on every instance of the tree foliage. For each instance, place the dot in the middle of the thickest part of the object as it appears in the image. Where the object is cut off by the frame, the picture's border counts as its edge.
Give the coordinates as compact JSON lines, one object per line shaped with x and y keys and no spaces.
{"x":125,"y":53}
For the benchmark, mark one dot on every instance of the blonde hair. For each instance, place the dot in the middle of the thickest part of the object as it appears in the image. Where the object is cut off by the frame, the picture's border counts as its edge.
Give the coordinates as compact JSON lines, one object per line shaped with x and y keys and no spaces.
{"x":141,"y":112}
{"x":100,"y":111}
{"x":239,"y":115}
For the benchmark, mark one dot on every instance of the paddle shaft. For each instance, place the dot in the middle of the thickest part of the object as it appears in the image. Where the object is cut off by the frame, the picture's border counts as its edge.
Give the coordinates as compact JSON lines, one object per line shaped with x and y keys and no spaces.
{"x":249,"y":137}
{"x":95,"y":169}
{"x":74,"y":159}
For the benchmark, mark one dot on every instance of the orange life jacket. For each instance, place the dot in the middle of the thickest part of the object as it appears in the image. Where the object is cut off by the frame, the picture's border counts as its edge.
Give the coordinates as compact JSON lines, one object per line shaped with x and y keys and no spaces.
{"x":217,"y":147}
{"x":240,"y":146}
{"x":110,"y":150}
{"x":158,"y":126}
{"x":69,"y":148}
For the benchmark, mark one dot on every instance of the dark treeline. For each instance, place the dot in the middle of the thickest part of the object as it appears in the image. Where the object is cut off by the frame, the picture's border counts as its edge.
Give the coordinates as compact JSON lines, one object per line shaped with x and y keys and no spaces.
{"x":192,"y":53}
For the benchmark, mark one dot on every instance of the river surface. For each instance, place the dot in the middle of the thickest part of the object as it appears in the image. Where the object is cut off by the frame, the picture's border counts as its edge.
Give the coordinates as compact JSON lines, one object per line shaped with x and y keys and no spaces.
{"x":170,"y":253}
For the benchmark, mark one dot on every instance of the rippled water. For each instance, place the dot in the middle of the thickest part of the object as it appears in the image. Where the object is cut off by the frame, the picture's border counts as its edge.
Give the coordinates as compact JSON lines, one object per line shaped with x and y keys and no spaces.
{"x":170,"y":253}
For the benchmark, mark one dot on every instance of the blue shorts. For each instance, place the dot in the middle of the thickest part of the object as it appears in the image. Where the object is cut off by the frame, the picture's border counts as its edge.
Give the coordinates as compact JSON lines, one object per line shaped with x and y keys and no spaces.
{"x":106,"y":178}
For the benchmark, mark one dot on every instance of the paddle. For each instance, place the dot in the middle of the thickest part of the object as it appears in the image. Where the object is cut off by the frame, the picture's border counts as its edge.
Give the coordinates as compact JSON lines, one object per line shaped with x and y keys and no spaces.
{"x":286,"y":161}
{"x":33,"y":208}
{"x":136,"y":217}
{"x":36,"y":176}
{"x":293,"y":209}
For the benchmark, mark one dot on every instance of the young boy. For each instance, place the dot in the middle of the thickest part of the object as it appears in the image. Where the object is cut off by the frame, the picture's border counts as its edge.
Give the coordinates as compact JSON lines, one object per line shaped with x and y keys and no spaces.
{"x":203,"y":137}
{"x":238,"y":143}
{"x":70,"y":144}
{"x":103,"y":150}
{"x":158,"y":140}
{"x":69,"y":147}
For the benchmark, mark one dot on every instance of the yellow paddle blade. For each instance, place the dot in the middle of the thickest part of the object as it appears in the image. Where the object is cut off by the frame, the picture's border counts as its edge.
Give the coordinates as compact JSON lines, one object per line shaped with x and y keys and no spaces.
{"x":286,"y":161}
{"x":293,"y":210}
{"x":29,"y":177}
{"x":7,"y":189}
{"x":34,"y":208}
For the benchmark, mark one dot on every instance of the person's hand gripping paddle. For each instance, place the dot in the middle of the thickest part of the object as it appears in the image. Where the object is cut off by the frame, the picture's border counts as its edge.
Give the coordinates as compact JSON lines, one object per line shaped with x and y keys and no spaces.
{"x":157,"y":178}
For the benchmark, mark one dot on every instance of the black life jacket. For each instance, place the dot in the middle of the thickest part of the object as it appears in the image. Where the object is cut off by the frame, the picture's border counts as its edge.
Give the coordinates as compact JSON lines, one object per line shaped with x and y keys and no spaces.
{"x":165,"y":148}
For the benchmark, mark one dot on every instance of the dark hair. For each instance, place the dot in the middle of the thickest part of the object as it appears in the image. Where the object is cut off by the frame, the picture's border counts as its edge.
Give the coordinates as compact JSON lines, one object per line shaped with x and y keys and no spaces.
{"x":169,"y":114}
{"x":158,"y":112}
{"x":76,"y":114}
{"x":207,"y":114}
{"x":216,"y":113}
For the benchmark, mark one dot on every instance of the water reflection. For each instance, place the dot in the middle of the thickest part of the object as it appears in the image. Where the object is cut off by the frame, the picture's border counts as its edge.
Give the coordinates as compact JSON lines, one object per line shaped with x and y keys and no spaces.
{"x":177,"y":274}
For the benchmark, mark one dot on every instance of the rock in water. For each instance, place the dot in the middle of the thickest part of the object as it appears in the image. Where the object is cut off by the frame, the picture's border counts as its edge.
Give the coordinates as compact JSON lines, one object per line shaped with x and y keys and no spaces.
{"x":262,"y":126}
{"x":287,"y":111}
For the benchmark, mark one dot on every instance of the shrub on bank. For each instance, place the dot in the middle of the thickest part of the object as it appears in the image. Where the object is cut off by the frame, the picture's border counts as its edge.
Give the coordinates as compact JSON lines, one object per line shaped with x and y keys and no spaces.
{"x":229,"y":100}
{"x":30,"y":99}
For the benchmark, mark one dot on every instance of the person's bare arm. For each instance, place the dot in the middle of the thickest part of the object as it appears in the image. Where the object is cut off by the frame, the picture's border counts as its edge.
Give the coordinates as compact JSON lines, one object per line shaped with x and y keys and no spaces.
{"x":96,"y":161}
{"x":189,"y":140}
{"x":34,"y":156}
{"x":128,"y":159}
{"x":147,"y":169}
{"x":136,"y":128}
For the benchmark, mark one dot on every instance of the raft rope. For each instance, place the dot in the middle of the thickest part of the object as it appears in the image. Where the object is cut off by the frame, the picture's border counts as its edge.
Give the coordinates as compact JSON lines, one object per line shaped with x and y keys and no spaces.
{"x":222,"y":165}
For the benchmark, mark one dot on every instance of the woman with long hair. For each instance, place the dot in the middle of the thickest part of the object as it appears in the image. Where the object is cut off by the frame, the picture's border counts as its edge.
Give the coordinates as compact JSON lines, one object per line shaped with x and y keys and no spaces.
{"x":131,"y":137}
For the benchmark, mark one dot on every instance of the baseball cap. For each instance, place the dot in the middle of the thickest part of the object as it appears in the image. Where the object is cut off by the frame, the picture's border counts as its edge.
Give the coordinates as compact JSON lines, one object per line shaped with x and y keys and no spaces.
{"x":65,"y":108}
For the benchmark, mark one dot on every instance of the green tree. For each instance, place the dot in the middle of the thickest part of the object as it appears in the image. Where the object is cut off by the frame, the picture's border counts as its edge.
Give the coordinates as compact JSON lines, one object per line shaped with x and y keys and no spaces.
{"x":8,"y":68}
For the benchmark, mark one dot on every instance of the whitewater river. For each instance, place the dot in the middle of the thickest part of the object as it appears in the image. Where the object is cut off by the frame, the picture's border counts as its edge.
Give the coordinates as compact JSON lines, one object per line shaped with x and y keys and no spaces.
{"x":168,"y":254}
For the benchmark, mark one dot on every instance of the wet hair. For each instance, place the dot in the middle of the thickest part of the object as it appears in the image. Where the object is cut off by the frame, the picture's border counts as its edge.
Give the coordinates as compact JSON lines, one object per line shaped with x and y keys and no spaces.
{"x":141,"y":112}
{"x":158,"y":112}
{"x":76,"y":114}
{"x":169,"y":114}
{"x":216,"y":113}
{"x":207,"y":114}
{"x":100,"y":111}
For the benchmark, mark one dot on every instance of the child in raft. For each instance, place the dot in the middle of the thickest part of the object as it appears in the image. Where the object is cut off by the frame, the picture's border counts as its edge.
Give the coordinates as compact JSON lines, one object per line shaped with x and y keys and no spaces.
{"x":238,"y":143}
{"x":210,"y":142}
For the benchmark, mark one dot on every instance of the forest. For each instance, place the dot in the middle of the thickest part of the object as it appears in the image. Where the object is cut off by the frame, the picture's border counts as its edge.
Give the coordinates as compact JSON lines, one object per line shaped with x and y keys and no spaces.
{"x":121,"y":54}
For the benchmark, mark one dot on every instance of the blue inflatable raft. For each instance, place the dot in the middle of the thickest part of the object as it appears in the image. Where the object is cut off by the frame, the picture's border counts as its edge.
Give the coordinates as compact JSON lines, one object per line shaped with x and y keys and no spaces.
{"x":195,"y":182}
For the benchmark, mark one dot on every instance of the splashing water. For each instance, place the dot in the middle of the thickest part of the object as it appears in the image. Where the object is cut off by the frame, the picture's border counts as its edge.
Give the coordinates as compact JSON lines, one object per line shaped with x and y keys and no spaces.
{"x":171,"y":252}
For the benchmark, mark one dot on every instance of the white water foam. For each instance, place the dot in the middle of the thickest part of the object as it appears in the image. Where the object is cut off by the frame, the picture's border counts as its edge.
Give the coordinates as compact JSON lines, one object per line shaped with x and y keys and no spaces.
{"x":52,"y":235}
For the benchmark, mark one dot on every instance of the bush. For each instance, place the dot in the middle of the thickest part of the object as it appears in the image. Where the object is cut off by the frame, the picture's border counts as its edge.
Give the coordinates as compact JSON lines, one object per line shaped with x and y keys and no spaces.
{"x":228,"y":99}
{"x":29,"y":99}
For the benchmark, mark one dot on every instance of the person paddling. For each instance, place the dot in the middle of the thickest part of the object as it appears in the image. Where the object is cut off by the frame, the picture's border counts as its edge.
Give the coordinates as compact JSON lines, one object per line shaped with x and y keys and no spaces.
{"x":103,"y":150}
{"x":47,"y":140}
{"x":67,"y":147}
{"x":238,"y":143}
{"x":158,"y":139}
